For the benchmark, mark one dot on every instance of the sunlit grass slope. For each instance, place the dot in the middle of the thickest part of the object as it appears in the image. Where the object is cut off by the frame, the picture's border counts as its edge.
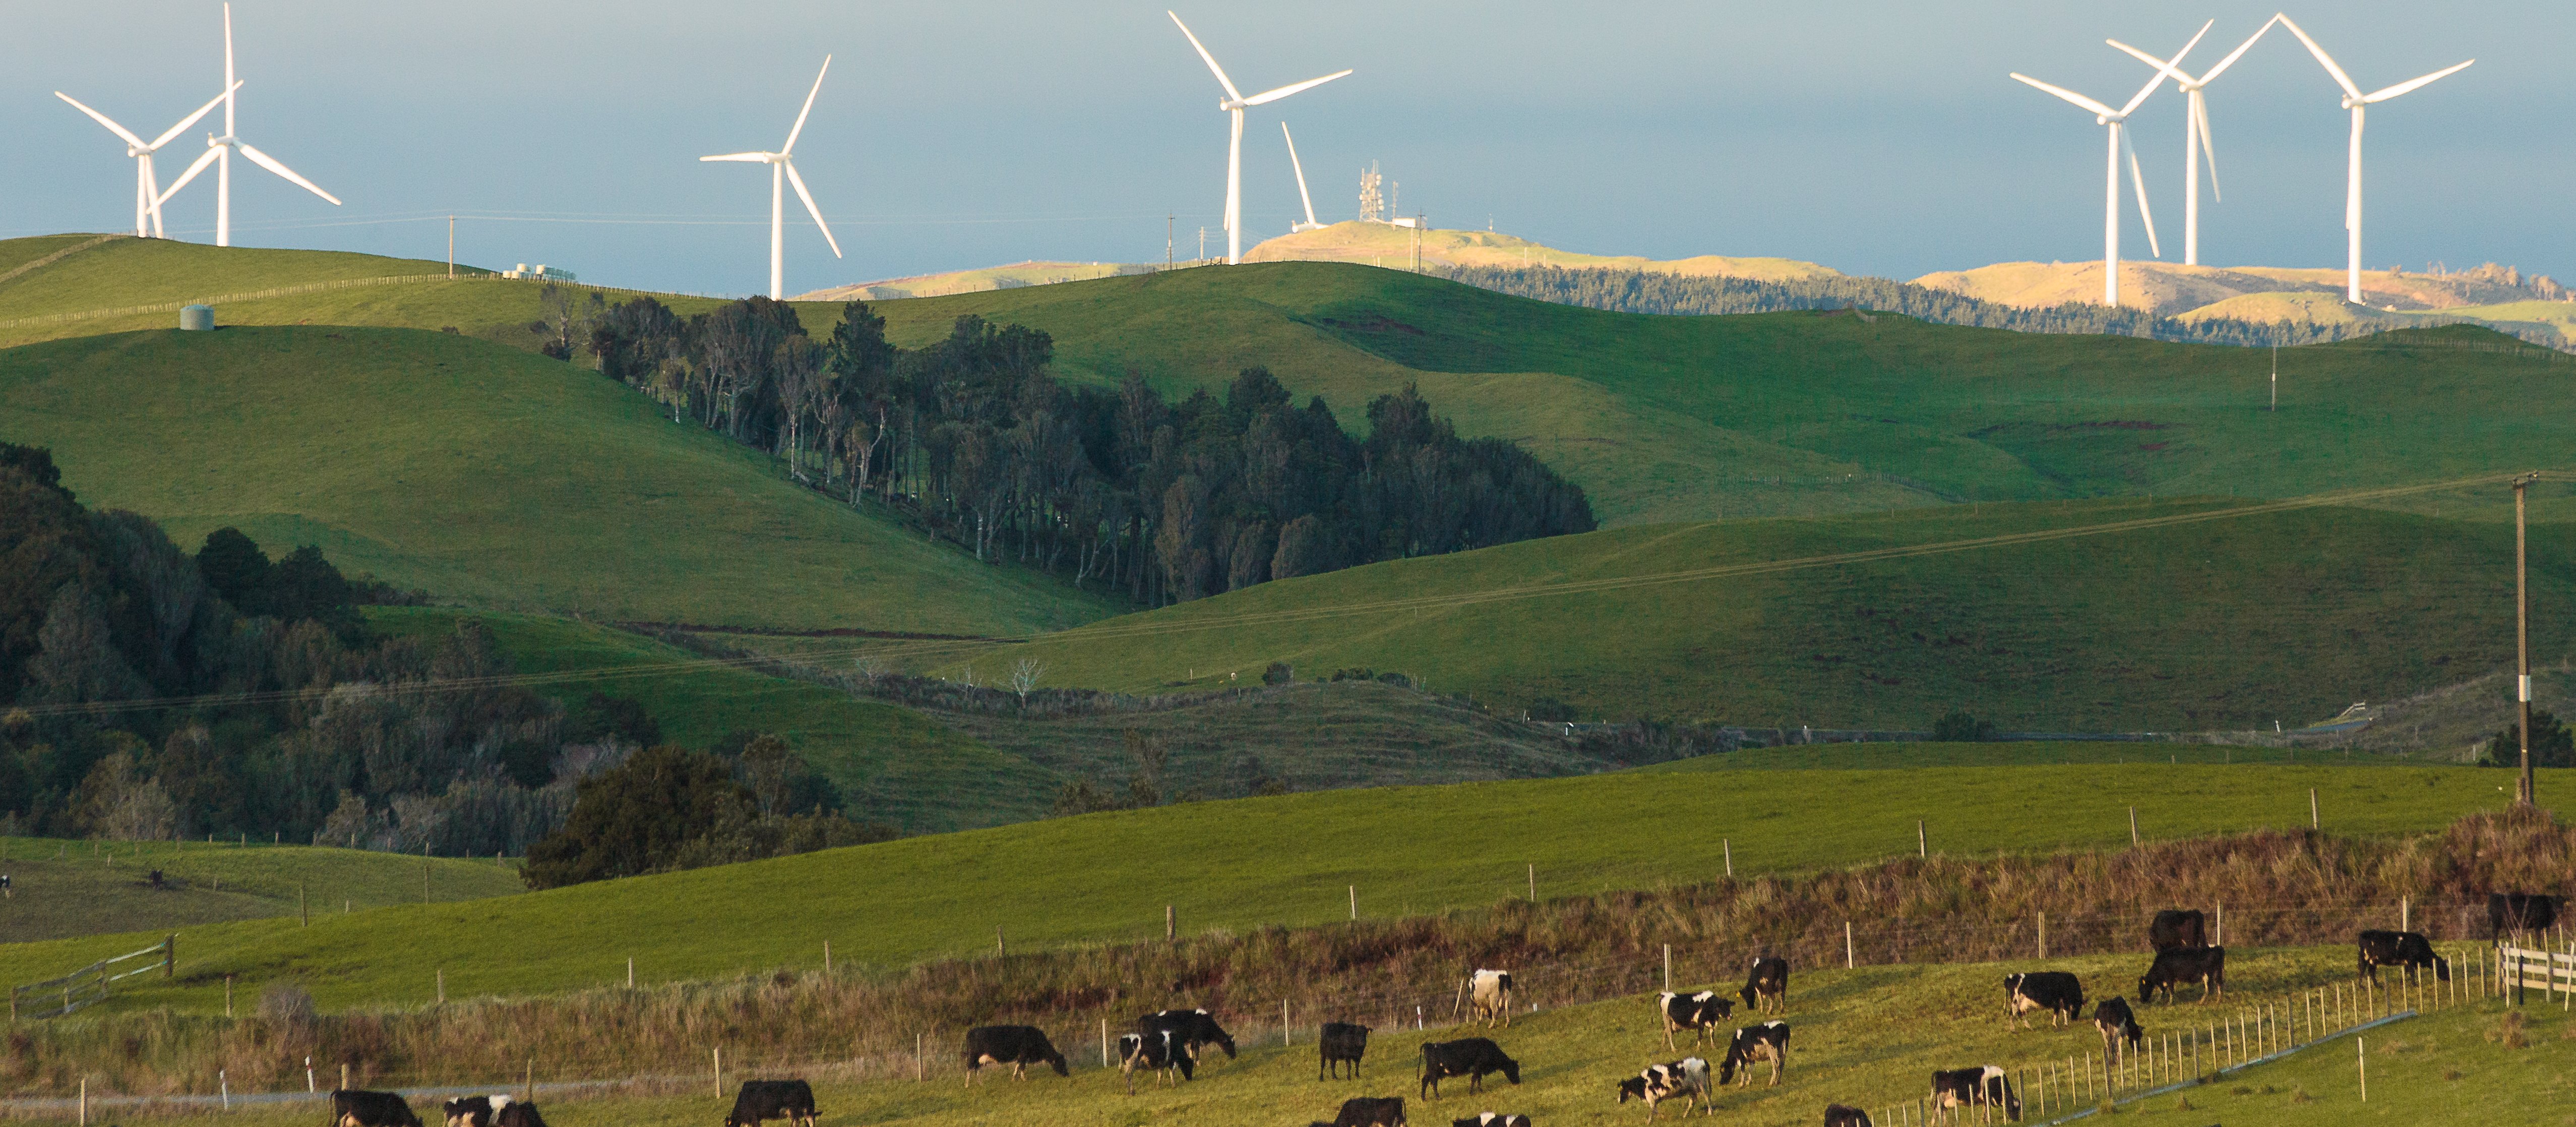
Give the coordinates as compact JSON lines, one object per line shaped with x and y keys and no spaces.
{"x":72,"y":888}
{"x":484,"y":474}
{"x":1247,"y":863}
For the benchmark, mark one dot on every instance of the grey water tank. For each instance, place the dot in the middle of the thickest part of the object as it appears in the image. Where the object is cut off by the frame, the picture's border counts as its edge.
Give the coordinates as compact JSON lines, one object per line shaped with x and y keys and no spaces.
{"x":196,"y":318}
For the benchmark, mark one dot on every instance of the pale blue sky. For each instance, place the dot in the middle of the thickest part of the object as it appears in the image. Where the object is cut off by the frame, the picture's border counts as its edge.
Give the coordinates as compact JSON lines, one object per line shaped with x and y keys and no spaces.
{"x":1877,"y":137}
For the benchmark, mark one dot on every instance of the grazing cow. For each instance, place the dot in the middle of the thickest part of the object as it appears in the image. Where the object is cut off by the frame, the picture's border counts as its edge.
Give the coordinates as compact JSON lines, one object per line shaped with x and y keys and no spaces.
{"x":469,"y":1111}
{"x":1964,"y":1087}
{"x":1492,"y":1119}
{"x":2399,"y":949}
{"x":1190,"y":1029}
{"x":353,"y":1108}
{"x":1368,"y":1111}
{"x":1018,"y":1046}
{"x":2511,"y":912}
{"x":506,"y":1113}
{"x":1767,"y":1041}
{"x":1686,"y":1079}
{"x":1472,"y":1057}
{"x":2204,"y":965}
{"x":1489,"y":997}
{"x":2178,"y":927}
{"x":2120,"y":1029}
{"x":1341,"y":1043}
{"x":1844,"y":1115}
{"x":761,"y":1100}
{"x":2056,"y":991}
{"x":1699,"y":1013}
{"x":1766,"y":986}
{"x":1163,"y":1053}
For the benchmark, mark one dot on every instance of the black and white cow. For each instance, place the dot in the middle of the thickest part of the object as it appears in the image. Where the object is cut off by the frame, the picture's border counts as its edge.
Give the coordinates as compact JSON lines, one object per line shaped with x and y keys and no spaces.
{"x":1984,"y":1085}
{"x":2178,"y":927}
{"x":469,"y":1111}
{"x":1163,"y":1053}
{"x":1700,"y":1013}
{"x":1190,"y":1029}
{"x":1767,"y":1041}
{"x":2056,"y":991}
{"x":2512,"y":912}
{"x":1368,"y":1111}
{"x":1342,"y":1043}
{"x":1489,"y":997}
{"x":2119,"y":1027}
{"x":1018,"y":1046}
{"x":1492,"y":1119}
{"x":2399,"y":949}
{"x":1684,"y":1079}
{"x":2204,"y":965}
{"x":1766,"y":985}
{"x":762,"y":1100}
{"x":507,"y":1112}
{"x":351,"y":1107}
{"x":1844,"y":1115}
{"x":1471,"y":1057}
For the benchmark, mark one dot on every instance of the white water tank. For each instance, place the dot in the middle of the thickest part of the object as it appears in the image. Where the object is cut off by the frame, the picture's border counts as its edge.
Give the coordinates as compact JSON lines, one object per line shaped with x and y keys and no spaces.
{"x":196,"y":318}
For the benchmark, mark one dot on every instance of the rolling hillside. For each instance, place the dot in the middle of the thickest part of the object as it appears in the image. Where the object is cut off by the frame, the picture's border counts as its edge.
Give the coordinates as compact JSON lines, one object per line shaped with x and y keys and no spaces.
{"x":2172,"y":289}
{"x":61,"y":889}
{"x":1381,"y":244}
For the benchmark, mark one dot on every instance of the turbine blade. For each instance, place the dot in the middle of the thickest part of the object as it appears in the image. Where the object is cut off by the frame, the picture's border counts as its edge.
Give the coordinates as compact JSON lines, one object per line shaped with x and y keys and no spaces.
{"x":271,"y":163}
{"x":2239,"y":52}
{"x":798,"y":182}
{"x":1219,"y":71}
{"x":790,"y":146}
{"x":2208,"y":148}
{"x":753,"y":157}
{"x":2415,"y":84}
{"x":1300,"y":168}
{"x":191,"y":119}
{"x":2138,"y":178}
{"x":2341,"y":79}
{"x":1284,"y":91}
{"x":229,"y":83}
{"x":2071,"y":96}
{"x":2162,"y":72}
{"x":2150,"y":60}
{"x":103,"y":119}
{"x":203,"y":159}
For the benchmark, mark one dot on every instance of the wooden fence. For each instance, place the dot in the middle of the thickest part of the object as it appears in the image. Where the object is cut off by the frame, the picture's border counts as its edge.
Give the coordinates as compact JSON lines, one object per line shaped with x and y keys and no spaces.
{"x":88,"y":986}
{"x":2524,"y":969}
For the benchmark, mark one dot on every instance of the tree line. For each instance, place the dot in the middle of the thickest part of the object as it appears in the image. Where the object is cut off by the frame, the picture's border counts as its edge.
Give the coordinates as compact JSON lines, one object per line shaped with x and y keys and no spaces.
{"x":974,"y":438}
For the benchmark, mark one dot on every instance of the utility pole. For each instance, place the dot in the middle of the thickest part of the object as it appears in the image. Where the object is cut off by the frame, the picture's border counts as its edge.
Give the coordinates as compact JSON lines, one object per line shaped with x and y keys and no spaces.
{"x":451,"y":248}
{"x":1168,"y":221}
{"x":1202,"y":244}
{"x":2522,"y":632}
{"x":2276,"y":378}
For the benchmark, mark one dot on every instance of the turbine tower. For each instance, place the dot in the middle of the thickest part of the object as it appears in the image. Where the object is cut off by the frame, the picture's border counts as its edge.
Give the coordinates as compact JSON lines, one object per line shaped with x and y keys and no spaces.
{"x":2195,"y":132}
{"x":2118,"y":140}
{"x":2356,"y":101}
{"x":1302,"y":196}
{"x":1235,"y":103}
{"x":147,"y":188}
{"x":219,"y":151}
{"x":782,"y":170}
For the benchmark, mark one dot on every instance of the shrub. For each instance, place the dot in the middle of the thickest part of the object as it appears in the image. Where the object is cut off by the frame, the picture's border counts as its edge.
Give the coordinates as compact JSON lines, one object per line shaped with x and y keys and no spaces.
{"x":1279,"y":673}
{"x":2552,"y":745}
{"x":286,"y":1005}
{"x":1959,"y":728}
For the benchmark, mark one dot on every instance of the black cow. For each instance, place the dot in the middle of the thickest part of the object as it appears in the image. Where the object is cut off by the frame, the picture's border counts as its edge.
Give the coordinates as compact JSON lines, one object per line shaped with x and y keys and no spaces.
{"x":1766,"y":986}
{"x":2178,"y":927}
{"x":1492,"y":1119}
{"x":1767,"y":1041}
{"x":1368,"y":1111}
{"x":1699,"y":1013}
{"x":1163,"y":1053}
{"x":1018,"y":1046}
{"x":1844,"y":1115}
{"x":1471,"y":1057}
{"x":1964,"y":1087}
{"x":2510,"y":912}
{"x":2204,"y":965}
{"x":510,"y":1113}
{"x":1686,"y":1078}
{"x":2056,"y":991}
{"x":469,"y":1111}
{"x":353,"y":1108}
{"x":761,"y":1100}
{"x":2399,"y":949}
{"x":2120,"y":1029}
{"x":1191,"y":1029}
{"x":1341,"y":1043}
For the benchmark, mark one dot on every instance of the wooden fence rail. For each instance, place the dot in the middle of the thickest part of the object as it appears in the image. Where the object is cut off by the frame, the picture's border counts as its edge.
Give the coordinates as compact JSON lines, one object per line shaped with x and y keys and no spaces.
{"x":89,"y":985}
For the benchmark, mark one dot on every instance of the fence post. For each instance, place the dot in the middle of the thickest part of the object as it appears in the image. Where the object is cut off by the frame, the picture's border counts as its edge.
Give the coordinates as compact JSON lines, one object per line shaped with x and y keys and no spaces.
{"x":2043,"y":935}
{"x":169,"y":956}
{"x":1668,"y":968}
{"x":1850,"y":957}
{"x":2133,"y":827}
{"x":303,"y":907}
{"x":344,"y":1076}
{"x":1730,"y":857}
{"x":1283,"y":1023}
{"x":919,"y":1039}
{"x":1355,"y":902}
{"x":1171,"y":924}
{"x":2406,"y":913}
{"x":2361,"y":1058}
{"x":719,"y":1073}
{"x":630,"y":972}
{"x":2222,"y":923}
{"x":1922,"y":840}
{"x":1104,"y":1045}
{"x":442,"y":986}
{"x":827,"y":956}
{"x":2314,"y":822}
{"x":84,"y":1102}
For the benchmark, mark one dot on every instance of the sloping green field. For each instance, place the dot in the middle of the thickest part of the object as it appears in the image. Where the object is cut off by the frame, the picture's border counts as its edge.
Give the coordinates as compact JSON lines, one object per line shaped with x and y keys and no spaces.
{"x":1247,"y":863}
{"x":59,"y":889}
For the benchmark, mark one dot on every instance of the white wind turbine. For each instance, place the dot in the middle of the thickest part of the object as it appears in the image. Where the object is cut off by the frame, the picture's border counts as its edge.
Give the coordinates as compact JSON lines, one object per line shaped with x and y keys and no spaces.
{"x":219,"y":151}
{"x":1302,"y":195}
{"x":782,"y":170}
{"x":1235,"y":103}
{"x":2119,"y":140}
{"x":2195,"y":131}
{"x":147,"y":188}
{"x":2356,"y":101}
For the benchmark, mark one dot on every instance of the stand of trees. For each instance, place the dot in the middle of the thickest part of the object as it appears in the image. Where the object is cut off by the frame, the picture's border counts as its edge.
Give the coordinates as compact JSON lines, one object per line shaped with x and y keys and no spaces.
{"x":973,"y":437}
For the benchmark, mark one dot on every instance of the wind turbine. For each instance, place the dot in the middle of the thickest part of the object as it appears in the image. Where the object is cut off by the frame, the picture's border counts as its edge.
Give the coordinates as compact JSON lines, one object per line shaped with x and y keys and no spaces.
{"x":2119,"y":140}
{"x":219,"y":151}
{"x":1309,"y":224}
{"x":147,"y":188}
{"x":2195,"y":131}
{"x":782,"y":170}
{"x":1235,"y":103}
{"x":2356,"y":101}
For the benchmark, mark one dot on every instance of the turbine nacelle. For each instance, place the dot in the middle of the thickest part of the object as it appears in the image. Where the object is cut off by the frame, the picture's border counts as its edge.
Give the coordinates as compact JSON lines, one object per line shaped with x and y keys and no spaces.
{"x":1233,"y":104}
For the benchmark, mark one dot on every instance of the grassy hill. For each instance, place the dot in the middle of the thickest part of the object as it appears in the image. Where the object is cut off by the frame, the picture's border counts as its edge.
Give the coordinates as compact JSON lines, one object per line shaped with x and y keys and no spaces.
{"x":1013,"y":276}
{"x":2172,"y":289}
{"x":1250,"y":863}
{"x":1382,"y":244}
{"x":484,"y":474}
{"x":61,"y":889}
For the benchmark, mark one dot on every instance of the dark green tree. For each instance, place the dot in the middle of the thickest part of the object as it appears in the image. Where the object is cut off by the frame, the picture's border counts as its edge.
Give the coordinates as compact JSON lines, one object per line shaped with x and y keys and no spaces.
{"x":2552,"y":744}
{"x":638,"y":817}
{"x":1959,"y":728}
{"x":235,"y":567}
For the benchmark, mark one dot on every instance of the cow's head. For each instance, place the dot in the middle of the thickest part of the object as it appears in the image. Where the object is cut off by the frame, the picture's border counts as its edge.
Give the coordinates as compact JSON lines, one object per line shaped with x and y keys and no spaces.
{"x":1511,"y":1070}
{"x":2441,"y":969}
{"x":1633,"y":1087}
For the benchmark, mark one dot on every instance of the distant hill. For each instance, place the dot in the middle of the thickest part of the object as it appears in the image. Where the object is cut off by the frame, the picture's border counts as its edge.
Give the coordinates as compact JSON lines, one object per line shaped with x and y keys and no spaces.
{"x":1384,"y":244}
{"x":1013,"y":276}
{"x":2171,"y":290}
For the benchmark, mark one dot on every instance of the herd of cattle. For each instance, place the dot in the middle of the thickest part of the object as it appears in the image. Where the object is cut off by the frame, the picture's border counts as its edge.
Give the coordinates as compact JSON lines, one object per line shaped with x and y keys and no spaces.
{"x":1168,"y":1043}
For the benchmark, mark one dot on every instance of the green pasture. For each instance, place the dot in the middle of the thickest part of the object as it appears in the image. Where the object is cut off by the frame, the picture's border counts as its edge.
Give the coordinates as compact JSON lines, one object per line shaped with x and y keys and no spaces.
{"x":60,"y":889}
{"x":1250,"y":863}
